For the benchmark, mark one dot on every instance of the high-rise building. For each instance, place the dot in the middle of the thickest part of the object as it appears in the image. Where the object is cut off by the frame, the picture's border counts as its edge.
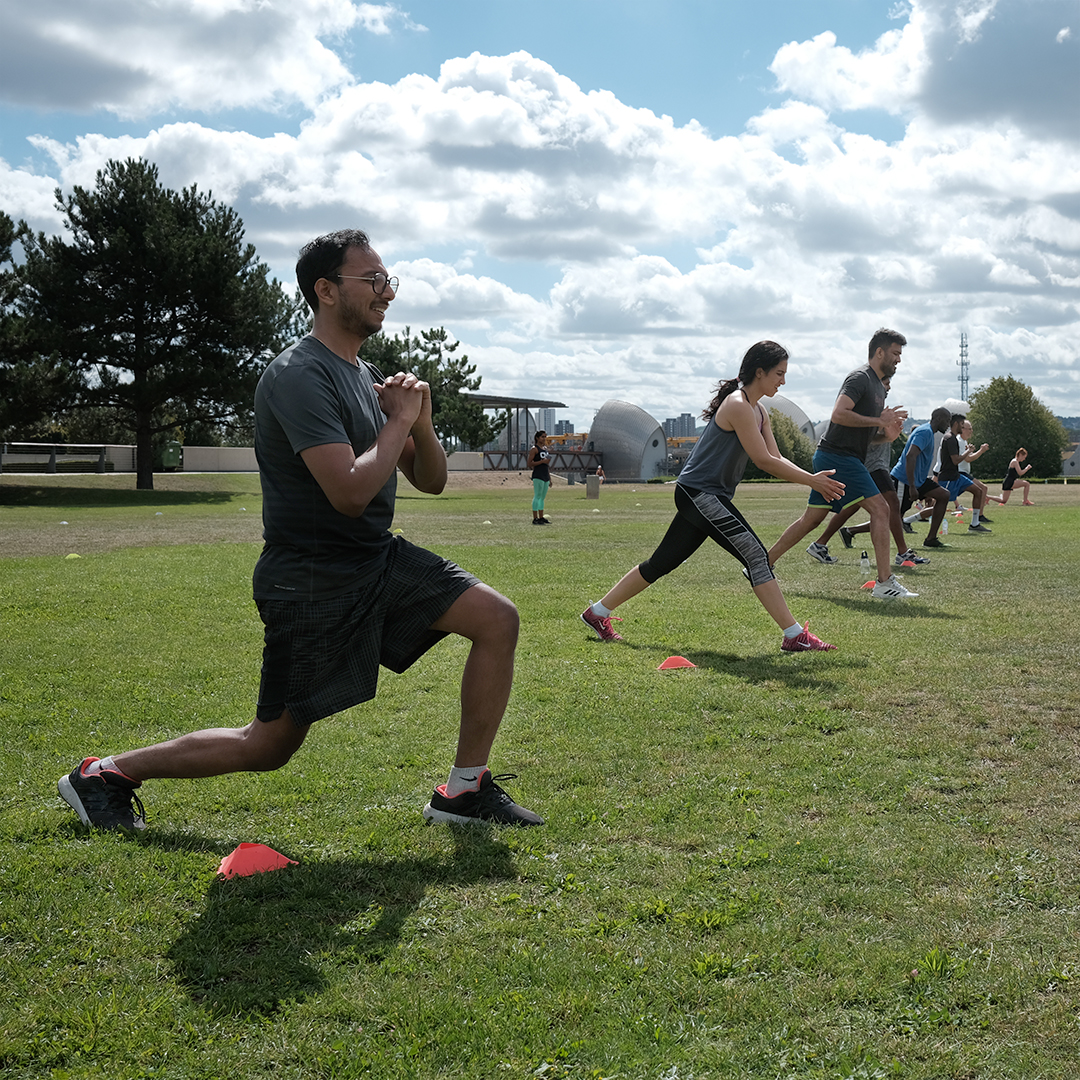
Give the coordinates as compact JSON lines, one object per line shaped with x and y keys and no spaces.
{"x":683,"y":426}
{"x":564,"y":427}
{"x":546,"y":420}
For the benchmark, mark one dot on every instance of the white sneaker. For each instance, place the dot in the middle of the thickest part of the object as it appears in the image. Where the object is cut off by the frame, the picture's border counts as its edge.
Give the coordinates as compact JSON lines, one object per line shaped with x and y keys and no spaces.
{"x":892,"y":590}
{"x":821,"y":553}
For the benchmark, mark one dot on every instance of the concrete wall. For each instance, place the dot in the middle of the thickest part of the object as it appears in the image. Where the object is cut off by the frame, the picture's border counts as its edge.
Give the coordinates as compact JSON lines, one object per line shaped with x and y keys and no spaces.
{"x":465,"y":461}
{"x":220,"y":459}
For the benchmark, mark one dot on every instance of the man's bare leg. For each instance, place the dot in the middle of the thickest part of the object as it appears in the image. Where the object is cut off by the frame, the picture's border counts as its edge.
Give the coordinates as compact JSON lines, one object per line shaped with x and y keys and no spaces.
{"x":490,"y":622}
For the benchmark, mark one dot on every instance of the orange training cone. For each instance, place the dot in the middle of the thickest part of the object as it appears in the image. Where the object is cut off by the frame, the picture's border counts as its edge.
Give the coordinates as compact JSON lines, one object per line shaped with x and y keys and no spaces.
{"x":869,"y":584}
{"x":252,"y":859}
{"x":675,"y":662}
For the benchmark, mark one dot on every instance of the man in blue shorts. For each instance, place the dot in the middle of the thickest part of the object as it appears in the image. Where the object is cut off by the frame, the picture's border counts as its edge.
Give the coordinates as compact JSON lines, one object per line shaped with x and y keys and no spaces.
{"x":912,"y":473}
{"x":956,"y":482}
{"x":337,"y":593}
{"x":857,"y":416}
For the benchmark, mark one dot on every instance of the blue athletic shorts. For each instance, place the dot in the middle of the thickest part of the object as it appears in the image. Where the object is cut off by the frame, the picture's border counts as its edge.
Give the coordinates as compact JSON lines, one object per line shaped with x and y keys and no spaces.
{"x":851,"y":472}
{"x":955,"y":487}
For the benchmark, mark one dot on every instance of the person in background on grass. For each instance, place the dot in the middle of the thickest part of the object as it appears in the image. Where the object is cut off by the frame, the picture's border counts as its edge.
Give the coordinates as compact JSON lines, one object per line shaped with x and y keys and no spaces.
{"x":537,"y":460}
{"x":600,"y":473}
{"x":1014,"y":478}
{"x":859,"y":412}
{"x":337,"y":593}
{"x":954,"y":481}
{"x":912,"y":473}
{"x":965,"y":461}
{"x":738,"y":430}
{"x":877,"y":465}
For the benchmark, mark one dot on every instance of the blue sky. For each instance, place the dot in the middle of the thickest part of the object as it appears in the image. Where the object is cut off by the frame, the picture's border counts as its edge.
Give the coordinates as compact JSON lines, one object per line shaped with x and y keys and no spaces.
{"x":612,"y":198}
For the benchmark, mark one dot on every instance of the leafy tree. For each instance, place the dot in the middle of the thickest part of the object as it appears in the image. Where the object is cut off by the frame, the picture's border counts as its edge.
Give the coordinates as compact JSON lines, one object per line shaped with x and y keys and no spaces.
{"x":791,"y":443}
{"x":458,"y":420}
{"x":155,"y":303}
{"x":30,"y":384}
{"x":1007,"y":415}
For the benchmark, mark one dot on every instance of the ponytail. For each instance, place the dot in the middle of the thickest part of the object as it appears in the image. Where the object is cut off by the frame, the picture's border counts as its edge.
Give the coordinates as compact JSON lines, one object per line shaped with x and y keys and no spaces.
{"x":763,"y":355}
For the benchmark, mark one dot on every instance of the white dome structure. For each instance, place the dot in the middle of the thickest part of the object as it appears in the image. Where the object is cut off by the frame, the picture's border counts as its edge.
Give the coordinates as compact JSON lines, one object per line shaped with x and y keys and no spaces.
{"x":632,"y":442}
{"x":792,"y":411}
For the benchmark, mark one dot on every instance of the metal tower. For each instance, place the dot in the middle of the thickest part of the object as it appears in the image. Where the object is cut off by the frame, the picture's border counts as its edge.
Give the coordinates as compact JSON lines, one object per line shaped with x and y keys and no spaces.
{"x":963,"y":362}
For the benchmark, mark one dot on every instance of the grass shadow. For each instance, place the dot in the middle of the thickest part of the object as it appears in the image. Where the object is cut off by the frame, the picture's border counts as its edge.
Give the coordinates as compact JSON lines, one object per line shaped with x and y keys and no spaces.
{"x":252,"y":947}
{"x":82,"y":498}
{"x":779,"y":668}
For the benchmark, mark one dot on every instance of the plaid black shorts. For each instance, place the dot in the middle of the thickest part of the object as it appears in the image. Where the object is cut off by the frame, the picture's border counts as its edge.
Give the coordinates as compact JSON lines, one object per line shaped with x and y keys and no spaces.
{"x":322,"y":657}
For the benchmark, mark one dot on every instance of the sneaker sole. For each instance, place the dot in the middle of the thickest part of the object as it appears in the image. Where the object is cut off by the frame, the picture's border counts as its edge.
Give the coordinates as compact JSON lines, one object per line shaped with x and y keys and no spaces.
{"x":431,"y":815}
{"x":68,"y":793}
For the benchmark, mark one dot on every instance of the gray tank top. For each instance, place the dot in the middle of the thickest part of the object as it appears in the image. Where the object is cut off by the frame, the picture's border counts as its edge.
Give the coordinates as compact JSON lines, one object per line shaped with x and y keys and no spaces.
{"x":718,"y":461}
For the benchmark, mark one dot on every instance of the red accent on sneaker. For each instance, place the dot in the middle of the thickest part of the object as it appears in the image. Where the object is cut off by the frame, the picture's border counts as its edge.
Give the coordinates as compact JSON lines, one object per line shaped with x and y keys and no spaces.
{"x":805,"y":642}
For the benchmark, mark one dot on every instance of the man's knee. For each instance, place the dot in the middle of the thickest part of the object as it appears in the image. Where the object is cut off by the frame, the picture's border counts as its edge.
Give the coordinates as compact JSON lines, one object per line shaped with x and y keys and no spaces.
{"x":497,"y":615}
{"x":271,"y":744}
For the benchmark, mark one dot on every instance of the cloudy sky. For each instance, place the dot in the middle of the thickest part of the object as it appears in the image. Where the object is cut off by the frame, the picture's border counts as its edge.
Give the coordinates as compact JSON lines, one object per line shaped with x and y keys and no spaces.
{"x":612,"y":198}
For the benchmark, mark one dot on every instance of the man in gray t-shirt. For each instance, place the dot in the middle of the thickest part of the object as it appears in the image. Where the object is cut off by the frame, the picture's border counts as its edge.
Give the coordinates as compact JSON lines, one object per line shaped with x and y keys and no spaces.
{"x":338,"y":594}
{"x":859,"y":411}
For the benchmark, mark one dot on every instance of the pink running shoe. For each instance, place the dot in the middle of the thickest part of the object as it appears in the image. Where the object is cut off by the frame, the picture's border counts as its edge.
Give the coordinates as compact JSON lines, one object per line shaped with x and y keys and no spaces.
{"x":805,"y":642}
{"x":601,"y":626}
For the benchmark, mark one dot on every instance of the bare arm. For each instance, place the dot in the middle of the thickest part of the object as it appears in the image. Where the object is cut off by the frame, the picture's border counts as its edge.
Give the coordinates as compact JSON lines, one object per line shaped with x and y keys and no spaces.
{"x":423,"y":459}
{"x":845,"y":415}
{"x":742,"y":418}
{"x":973,"y":455}
{"x":351,"y":482}
{"x":909,"y":466}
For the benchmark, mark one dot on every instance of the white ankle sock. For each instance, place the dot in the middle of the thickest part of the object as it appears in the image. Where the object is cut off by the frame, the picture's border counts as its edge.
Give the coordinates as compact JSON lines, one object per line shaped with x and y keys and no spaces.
{"x":599,"y":609}
{"x":464,"y":779}
{"x":793,"y":631}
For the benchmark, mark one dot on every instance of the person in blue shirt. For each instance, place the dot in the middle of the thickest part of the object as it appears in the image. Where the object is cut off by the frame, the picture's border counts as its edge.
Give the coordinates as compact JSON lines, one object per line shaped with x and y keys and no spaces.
{"x":912,"y":471}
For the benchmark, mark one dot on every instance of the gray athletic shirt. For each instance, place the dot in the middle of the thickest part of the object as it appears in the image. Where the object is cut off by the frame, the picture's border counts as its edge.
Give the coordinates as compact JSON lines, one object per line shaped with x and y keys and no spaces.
{"x":309,"y":396}
{"x":868,"y":394}
{"x":878,"y":456}
{"x":717,"y":462}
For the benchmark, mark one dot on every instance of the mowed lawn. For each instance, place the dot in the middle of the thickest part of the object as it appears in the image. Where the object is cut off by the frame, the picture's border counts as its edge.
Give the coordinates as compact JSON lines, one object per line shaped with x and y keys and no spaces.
{"x":852,"y":864}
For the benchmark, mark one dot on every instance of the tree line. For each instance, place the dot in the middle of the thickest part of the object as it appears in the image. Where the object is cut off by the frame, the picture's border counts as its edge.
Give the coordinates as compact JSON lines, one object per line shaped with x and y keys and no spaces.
{"x":150,"y":319}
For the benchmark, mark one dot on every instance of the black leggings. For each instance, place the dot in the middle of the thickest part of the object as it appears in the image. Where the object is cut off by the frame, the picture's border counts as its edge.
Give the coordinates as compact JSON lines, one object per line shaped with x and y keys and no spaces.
{"x":701,"y":516}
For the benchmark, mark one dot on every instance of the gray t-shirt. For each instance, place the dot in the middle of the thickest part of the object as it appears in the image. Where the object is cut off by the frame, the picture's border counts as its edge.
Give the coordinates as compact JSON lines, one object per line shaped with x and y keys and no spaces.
{"x":309,"y":396}
{"x":878,"y":456}
{"x":868,"y":394}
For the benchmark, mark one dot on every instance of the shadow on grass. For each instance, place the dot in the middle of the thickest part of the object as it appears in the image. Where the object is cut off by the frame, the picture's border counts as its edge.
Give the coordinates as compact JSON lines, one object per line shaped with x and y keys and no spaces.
{"x":42,"y":495}
{"x":764,"y":668}
{"x":780,"y":668}
{"x":248,"y":952}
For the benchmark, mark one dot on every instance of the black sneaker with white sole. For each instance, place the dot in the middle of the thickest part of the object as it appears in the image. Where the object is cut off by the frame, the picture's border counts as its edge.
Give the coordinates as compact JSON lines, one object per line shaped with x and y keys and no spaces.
{"x":102,"y":799}
{"x":821,"y":553}
{"x":489,"y":804}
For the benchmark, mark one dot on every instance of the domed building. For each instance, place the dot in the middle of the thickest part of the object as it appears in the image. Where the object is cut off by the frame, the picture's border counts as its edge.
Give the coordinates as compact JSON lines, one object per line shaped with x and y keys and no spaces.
{"x":631,"y":441}
{"x":792,"y":411}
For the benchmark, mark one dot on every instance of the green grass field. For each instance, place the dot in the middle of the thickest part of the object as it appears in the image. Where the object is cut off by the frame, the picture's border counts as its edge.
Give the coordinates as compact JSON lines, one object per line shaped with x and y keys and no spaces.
{"x":853,"y":864}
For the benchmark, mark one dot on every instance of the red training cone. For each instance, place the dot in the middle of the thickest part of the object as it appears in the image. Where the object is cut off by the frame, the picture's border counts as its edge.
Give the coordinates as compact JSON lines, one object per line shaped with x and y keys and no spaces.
{"x":675,"y":662}
{"x":252,"y":859}
{"x":869,"y":584}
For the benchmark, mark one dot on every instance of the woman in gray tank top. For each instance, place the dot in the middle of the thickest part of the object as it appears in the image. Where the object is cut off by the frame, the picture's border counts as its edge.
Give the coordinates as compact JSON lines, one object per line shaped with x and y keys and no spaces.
{"x":738,"y":431}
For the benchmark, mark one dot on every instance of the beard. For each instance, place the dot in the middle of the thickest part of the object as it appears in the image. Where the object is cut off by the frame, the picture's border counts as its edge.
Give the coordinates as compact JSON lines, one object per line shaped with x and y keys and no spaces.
{"x":359,"y":319}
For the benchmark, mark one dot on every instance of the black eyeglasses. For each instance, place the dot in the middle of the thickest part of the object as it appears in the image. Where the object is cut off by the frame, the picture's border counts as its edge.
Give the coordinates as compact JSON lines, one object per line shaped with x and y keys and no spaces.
{"x":378,"y":282}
